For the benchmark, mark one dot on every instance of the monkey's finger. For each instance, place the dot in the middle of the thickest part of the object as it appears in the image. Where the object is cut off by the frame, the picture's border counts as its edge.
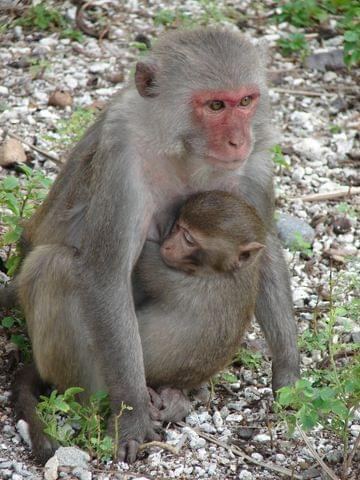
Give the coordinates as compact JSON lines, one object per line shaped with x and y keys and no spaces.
{"x":132,"y":449}
{"x":155,"y":398}
{"x":152,"y":435}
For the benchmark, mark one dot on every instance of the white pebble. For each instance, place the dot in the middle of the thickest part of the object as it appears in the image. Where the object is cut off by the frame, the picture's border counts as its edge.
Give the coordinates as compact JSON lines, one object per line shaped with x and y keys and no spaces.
{"x":217,"y":419}
{"x":98,"y":67}
{"x":262,"y":437}
{"x":245,"y":475}
{"x":4,"y":91}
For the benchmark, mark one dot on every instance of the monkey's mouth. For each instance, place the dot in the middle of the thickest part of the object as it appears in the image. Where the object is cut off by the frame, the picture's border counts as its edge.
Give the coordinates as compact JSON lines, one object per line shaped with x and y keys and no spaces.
{"x":225,"y":164}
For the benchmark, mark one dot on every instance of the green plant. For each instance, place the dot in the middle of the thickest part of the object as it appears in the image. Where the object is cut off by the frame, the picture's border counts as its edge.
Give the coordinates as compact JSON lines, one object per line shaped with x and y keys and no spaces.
{"x":346,"y":209}
{"x":38,"y":66}
{"x":330,"y":395}
{"x":165,"y":17}
{"x":334,"y":129}
{"x":293,"y":43}
{"x":73,"y":34}
{"x":249,"y":358}
{"x":72,"y":423}
{"x":71,"y":129}
{"x":278,"y":157}
{"x":42,"y":17}
{"x":299,"y":244}
{"x":301,"y":13}
{"x":20,"y":201}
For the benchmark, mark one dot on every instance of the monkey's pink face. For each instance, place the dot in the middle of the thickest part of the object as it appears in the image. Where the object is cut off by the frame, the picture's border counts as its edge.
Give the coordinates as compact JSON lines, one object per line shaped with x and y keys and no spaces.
{"x":225,"y":117}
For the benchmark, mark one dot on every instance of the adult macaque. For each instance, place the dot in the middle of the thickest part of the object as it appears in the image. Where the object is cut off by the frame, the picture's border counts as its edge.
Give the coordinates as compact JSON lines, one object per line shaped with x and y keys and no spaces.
{"x":197,"y":120}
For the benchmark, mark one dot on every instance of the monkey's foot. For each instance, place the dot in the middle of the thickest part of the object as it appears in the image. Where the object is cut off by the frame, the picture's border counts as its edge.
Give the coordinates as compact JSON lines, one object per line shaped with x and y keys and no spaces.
{"x":168,"y":405}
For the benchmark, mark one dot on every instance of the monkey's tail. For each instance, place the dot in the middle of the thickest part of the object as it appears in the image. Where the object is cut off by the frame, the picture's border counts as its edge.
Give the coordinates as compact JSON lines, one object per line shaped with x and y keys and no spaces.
{"x":27,"y":386}
{"x":9,"y":296}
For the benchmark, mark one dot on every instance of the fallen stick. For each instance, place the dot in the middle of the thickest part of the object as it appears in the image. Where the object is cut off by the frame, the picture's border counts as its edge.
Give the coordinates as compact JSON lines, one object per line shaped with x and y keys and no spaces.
{"x":163,"y":445}
{"x":237,"y":451}
{"x":316,"y":455}
{"x":317,"y":197}
{"x":46,"y":154}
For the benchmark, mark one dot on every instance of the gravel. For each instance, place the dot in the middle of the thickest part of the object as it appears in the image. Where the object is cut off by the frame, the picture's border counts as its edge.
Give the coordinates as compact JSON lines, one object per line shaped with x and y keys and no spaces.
{"x":320,"y":140}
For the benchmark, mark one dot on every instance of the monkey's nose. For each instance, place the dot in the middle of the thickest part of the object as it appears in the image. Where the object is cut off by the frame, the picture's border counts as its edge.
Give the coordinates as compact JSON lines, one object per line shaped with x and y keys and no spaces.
{"x":235,"y":143}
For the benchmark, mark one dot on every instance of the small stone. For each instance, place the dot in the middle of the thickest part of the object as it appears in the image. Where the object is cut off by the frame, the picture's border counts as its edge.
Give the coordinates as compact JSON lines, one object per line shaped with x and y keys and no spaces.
{"x":329,"y":76}
{"x":293,"y":231}
{"x":341,"y":225}
{"x":6,"y":473}
{"x":245,"y":475}
{"x":72,"y":457}
{"x":245,"y":433}
{"x":234,"y":417}
{"x":11,"y":152}
{"x":98,"y":67}
{"x":355,"y":336}
{"x":16,"y":476}
{"x":217,"y":419}
{"x":334,"y":456}
{"x":257,"y":456}
{"x":60,"y":98}
{"x":49,"y":41}
{"x":82,"y":474}
{"x":117,"y":77}
{"x":208,"y":428}
{"x":6,"y":464}
{"x":18,"y":33}
{"x":23,"y":428}
{"x":200,"y":472}
{"x":262,"y":437}
{"x":279,"y":457}
{"x":310,"y":148}
{"x":4,"y":91}
{"x":51,"y":468}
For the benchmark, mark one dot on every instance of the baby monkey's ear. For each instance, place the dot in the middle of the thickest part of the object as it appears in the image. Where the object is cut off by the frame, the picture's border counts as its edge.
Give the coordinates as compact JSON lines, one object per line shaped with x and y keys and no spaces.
{"x":248,"y":253}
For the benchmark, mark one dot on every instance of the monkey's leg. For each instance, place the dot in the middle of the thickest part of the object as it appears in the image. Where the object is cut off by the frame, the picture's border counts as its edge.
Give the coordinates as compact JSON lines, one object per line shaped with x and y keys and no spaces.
{"x":62,"y":351}
{"x":27,"y":386}
{"x":274,"y":312}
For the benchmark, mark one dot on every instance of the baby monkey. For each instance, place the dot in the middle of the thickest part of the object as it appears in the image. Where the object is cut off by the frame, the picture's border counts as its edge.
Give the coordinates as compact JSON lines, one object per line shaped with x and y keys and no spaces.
{"x":188,"y":334}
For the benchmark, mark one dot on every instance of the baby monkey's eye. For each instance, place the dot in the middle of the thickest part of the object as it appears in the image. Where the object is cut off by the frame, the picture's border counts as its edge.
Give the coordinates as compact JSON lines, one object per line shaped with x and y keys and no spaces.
{"x":216,"y":105}
{"x":245,"y":101}
{"x":188,"y":238}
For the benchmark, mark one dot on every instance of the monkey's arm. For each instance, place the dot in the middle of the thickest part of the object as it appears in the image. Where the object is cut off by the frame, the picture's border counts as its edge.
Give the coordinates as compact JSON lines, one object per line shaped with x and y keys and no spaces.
{"x":274,"y":312}
{"x":115,"y":230}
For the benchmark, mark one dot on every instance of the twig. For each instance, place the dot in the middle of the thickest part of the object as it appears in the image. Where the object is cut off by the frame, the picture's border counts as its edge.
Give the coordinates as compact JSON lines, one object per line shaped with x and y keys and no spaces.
{"x":352,"y":453}
{"x":315,"y":454}
{"x":163,"y":445}
{"x":237,"y":451}
{"x":343,"y":354}
{"x":306,"y":93}
{"x":345,"y":192}
{"x":46,"y":154}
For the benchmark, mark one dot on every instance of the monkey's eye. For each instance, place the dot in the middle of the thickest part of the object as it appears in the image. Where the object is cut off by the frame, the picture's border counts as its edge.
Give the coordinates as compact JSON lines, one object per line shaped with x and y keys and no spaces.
{"x":245,"y":101}
{"x":216,"y":105}
{"x":188,"y":238}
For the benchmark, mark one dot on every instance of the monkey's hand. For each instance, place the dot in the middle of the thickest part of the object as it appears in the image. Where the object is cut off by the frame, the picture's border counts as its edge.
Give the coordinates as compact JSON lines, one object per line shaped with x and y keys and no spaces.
{"x":130,"y":431}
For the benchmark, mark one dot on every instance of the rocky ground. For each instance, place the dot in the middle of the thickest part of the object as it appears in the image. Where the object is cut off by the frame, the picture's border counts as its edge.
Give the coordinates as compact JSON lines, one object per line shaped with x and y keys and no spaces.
{"x":316,"y":114}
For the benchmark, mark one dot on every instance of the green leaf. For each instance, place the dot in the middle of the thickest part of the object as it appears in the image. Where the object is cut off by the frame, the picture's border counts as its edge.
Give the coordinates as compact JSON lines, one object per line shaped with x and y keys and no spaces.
{"x":12,"y":203}
{"x":10,"y":183}
{"x":8,"y":322}
{"x":229,"y":377}
{"x":12,"y":236}
{"x":350,"y":36}
{"x":61,"y":405}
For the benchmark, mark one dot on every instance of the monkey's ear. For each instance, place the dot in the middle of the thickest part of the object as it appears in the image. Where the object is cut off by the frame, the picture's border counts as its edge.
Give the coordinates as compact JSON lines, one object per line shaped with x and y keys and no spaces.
{"x":145,"y":74}
{"x":248,"y":252}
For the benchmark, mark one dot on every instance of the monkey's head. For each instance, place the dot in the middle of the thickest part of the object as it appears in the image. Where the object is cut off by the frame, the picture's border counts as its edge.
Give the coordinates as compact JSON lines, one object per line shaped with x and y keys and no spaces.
{"x":216,"y":232}
{"x":206,"y":95}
